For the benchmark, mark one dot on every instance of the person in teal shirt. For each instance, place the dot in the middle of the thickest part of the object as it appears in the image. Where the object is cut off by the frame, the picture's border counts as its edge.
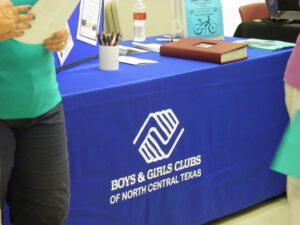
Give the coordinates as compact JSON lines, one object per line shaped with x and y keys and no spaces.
{"x":34,"y":169}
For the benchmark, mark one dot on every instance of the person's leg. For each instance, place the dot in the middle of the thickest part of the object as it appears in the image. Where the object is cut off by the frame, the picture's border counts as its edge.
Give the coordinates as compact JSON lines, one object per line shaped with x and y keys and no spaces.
{"x":39,"y":187}
{"x":292,"y":97}
{"x":293,"y":194}
{"x":7,"y":153}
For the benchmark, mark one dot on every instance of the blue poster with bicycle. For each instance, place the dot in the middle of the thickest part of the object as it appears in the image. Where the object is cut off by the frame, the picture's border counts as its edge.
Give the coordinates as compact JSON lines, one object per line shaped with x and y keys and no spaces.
{"x":203,"y":18}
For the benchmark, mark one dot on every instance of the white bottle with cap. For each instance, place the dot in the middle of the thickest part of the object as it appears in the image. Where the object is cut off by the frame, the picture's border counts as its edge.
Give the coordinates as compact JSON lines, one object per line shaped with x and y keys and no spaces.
{"x":139,"y":21}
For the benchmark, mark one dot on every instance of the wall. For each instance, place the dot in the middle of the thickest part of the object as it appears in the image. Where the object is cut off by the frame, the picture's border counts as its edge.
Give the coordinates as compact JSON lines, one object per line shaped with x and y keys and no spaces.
{"x":230,"y":14}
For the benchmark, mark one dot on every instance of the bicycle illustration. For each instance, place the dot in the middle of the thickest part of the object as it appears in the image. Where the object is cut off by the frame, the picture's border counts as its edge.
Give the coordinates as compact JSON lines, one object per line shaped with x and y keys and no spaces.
{"x":203,"y":27}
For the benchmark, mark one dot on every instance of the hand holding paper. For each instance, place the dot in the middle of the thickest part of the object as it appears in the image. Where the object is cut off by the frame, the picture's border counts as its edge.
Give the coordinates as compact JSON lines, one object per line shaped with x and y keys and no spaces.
{"x":51,"y":16}
{"x":58,"y":41}
{"x":12,"y":22}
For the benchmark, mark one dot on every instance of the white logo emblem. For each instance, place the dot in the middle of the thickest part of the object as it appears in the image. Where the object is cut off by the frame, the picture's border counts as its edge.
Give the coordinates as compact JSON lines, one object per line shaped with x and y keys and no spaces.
{"x":159,"y":136}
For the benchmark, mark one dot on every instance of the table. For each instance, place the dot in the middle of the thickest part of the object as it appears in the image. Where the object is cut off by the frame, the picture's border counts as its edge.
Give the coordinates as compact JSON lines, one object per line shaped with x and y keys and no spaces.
{"x":271,"y":31}
{"x":175,"y":143}
{"x":212,"y":131}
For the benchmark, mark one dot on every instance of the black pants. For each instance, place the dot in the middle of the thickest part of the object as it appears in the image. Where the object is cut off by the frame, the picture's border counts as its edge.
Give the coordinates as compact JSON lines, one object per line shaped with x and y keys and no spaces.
{"x":34,"y":170}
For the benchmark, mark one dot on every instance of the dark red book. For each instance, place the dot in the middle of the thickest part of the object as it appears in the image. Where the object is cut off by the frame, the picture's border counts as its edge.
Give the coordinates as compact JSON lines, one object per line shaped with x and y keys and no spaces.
{"x":205,"y":50}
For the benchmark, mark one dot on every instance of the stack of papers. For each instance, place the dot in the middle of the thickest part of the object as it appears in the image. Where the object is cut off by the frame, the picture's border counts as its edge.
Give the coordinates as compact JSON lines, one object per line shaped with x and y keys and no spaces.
{"x":124,"y":50}
{"x":266,"y":44}
{"x":149,"y":47}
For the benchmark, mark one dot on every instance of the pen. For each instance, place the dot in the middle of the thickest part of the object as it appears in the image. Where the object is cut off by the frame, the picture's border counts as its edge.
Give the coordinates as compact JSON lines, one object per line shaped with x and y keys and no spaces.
{"x":114,"y":40}
{"x":167,"y":39}
{"x":108,"y":39}
{"x":117,"y":39}
{"x":99,"y":39}
{"x":111,"y":39}
{"x":104,"y":39}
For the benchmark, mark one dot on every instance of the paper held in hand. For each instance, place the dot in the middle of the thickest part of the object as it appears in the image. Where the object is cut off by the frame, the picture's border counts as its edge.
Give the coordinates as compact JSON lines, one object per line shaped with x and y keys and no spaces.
{"x":51,"y":16}
{"x":205,"y":50}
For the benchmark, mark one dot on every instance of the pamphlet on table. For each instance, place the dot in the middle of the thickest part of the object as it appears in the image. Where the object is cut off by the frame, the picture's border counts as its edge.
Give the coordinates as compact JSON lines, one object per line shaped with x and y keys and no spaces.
{"x":271,"y":45}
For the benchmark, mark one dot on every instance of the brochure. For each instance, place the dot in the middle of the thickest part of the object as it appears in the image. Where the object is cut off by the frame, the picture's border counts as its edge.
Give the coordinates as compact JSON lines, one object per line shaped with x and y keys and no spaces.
{"x":266,"y":44}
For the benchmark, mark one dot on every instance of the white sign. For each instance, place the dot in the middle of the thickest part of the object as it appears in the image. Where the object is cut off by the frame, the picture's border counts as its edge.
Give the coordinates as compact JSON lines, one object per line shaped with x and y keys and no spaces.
{"x":141,"y":183}
{"x":89,"y":21}
{"x":158,"y":136}
{"x":203,"y":19}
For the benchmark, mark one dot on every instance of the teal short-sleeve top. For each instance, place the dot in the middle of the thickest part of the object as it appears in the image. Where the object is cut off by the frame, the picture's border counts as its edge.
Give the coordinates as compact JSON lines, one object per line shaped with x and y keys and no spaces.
{"x":28,"y":86}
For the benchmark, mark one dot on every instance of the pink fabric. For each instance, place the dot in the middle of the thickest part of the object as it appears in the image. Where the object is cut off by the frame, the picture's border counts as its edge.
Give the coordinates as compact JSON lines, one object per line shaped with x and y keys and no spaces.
{"x":292,"y":72}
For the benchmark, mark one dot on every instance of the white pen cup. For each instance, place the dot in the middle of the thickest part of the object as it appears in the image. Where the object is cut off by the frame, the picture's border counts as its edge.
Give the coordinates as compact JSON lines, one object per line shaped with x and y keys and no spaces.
{"x":108,"y":57}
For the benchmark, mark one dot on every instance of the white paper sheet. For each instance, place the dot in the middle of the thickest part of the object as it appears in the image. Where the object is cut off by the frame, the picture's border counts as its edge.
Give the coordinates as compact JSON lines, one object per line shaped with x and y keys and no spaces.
{"x":124,"y":50}
{"x":89,"y":21}
{"x":51,"y":16}
{"x":149,"y":47}
{"x":135,"y":61}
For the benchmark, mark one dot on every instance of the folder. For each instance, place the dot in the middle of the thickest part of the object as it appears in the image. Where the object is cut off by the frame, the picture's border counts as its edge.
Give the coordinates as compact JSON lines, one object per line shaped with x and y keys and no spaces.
{"x":286,"y":160}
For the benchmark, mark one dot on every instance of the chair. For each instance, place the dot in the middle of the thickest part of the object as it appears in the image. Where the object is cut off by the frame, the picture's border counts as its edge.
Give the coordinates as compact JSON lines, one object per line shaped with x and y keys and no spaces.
{"x":118,"y":16}
{"x":253,"y":11}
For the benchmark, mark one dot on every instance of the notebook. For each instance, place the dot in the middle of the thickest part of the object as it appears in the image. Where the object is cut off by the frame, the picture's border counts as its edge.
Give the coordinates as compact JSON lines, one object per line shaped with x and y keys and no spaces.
{"x":276,"y":14}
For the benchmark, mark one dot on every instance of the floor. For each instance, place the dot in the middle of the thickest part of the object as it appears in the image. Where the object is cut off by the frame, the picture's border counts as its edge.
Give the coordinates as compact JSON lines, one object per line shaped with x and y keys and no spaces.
{"x":272,"y":212}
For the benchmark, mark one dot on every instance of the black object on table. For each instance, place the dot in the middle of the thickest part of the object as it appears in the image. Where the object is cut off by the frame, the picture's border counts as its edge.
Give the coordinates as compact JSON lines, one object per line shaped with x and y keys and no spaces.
{"x":266,"y":29}
{"x":288,"y":5}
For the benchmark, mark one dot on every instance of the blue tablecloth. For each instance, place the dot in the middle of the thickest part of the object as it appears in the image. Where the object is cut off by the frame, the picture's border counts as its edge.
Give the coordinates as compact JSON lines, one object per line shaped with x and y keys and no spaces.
{"x":224,"y":123}
{"x":175,"y":143}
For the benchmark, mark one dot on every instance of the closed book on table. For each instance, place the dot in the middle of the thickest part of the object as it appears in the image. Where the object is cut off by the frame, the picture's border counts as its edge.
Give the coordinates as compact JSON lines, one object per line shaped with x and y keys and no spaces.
{"x":205,"y":50}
